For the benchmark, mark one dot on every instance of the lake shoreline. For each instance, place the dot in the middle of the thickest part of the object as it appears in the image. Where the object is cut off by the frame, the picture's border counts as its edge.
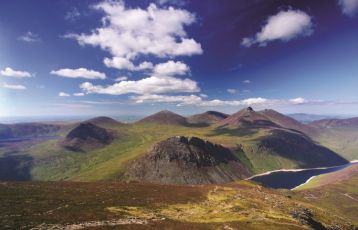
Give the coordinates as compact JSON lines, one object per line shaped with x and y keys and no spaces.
{"x":265,"y":174}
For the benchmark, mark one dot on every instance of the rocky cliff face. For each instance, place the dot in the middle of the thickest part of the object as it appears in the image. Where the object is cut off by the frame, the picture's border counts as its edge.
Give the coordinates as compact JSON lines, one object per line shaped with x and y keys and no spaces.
{"x":187,"y":160}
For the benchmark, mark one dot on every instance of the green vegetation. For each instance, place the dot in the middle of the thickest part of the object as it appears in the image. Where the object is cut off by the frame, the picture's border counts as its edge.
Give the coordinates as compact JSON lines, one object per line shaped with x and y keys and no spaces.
{"x":52,"y":162}
{"x":341,"y":140}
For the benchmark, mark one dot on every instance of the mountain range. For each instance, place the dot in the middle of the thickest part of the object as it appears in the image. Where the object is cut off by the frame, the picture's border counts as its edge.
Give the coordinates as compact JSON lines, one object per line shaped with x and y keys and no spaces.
{"x":257,"y":141}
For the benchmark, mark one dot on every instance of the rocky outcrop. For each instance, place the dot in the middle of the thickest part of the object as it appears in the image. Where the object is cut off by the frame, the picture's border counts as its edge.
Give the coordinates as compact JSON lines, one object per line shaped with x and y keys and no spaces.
{"x":187,"y":160}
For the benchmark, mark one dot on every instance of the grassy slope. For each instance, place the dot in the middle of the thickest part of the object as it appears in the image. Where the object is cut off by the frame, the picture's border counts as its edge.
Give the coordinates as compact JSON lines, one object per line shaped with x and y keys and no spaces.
{"x":336,"y":191}
{"x":240,"y":205}
{"x":54,"y":163}
{"x":111,"y":161}
{"x":343,"y":141}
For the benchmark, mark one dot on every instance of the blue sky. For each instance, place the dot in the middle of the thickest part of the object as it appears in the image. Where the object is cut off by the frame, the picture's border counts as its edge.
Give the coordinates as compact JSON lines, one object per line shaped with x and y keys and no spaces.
{"x":138,"y":57}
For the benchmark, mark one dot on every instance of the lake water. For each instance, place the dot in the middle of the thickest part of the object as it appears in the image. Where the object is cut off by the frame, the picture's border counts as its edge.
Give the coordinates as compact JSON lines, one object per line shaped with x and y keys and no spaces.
{"x":292,"y":179}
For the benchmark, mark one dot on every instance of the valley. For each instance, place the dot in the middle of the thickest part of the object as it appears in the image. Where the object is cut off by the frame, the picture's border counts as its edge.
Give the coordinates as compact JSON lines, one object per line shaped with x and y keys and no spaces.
{"x":169,"y":171}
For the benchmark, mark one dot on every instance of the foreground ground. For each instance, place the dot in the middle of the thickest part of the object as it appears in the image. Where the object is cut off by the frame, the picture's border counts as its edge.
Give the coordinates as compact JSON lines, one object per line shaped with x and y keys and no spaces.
{"x":111,"y":205}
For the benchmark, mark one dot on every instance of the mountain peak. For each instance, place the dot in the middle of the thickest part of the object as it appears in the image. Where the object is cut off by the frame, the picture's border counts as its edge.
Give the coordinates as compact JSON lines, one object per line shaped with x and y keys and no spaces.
{"x":165,"y":117}
{"x":86,"y":135}
{"x":207,"y":118}
{"x":187,"y":160}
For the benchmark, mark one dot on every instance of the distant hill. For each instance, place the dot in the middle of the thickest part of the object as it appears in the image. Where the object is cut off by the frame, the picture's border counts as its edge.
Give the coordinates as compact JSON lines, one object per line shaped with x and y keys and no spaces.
{"x":187,"y":160}
{"x":103,"y":121}
{"x":165,"y":117}
{"x":287,"y":122}
{"x":21,"y":130}
{"x":87,"y":136}
{"x":207,"y":118}
{"x":248,"y":118}
{"x":336,"y":123}
{"x":298,"y":148}
{"x":307,"y":118}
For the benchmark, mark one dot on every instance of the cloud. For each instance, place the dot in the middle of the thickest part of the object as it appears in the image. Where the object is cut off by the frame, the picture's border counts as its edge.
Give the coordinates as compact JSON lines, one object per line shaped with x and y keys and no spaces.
{"x":78,"y":94}
{"x":171,"y":68}
{"x":232,"y":91}
{"x":9,"y":72}
{"x":72,"y":15}
{"x":194,"y":100}
{"x":127,"y":33}
{"x":246,"y":81}
{"x":123,"y":63}
{"x":284,"y":26}
{"x":150,"y":85}
{"x":191,"y":99}
{"x":349,"y":7}
{"x":79,"y":73}
{"x":298,"y":100}
{"x":63,"y":94}
{"x":15,"y":87}
{"x":29,"y":37}
{"x":121,"y":78}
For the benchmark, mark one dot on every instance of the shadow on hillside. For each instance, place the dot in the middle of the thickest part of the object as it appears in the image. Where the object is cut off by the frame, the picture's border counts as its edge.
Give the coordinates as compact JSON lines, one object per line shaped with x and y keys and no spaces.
{"x":240,"y":132}
{"x":301,"y":149}
{"x":15,"y":167}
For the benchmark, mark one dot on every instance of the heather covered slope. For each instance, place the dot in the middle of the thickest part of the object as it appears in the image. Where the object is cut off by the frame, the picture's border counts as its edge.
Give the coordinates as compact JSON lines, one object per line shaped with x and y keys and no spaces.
{"x":287,"y":122}
{"x":247,"y":118}
{"x":187,"y":160}
{"x":335,"y":191}
{"x":113,"y":205}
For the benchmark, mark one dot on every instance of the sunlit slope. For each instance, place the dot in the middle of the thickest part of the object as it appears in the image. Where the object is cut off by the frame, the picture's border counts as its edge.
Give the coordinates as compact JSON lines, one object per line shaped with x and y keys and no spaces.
{"x":335,"y":191}
{"x":252,"y":146}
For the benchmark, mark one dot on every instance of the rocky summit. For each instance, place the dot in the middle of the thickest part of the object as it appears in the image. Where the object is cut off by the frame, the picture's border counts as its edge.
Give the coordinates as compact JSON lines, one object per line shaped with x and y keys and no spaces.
{"x":187,"y":160}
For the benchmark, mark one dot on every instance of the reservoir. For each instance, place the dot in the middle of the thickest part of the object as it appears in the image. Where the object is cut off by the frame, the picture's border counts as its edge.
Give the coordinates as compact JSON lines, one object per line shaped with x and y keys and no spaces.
{"x":290,"y":179}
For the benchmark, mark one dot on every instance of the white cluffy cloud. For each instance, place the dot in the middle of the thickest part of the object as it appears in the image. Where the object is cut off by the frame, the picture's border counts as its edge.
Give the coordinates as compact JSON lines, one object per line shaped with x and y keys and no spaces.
{"x":30,"y":37}
{"x":16,"y":87}
{"x":79,"y":73}
{"x":129,"y":32}
{"x":283,"y":26}
{"x":194,"y":100}
{"x":9,"y":72}
{"x":171,"y":68}
{"x":150,"y":85}
{"x":123,"y":63}
{"x":349,"y":7}
{"x":63,"y":94}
